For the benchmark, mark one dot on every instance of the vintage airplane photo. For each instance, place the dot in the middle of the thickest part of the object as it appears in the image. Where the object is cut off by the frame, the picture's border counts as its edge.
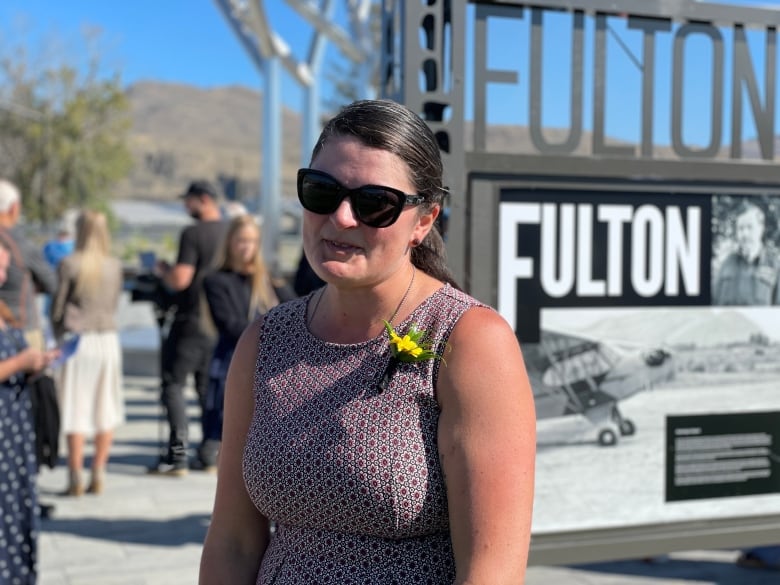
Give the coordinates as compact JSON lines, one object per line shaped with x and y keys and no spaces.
{"x":574,"y":375}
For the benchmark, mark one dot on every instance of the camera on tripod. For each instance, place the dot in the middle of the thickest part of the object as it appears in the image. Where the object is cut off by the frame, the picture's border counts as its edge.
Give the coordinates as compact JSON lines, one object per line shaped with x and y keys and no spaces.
{"x":146,"y":287}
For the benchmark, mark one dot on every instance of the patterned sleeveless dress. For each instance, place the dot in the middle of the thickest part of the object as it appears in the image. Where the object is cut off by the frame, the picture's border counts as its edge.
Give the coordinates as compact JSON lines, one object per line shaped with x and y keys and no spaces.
{"x":19,"y":520}
{"x":350,"y":474}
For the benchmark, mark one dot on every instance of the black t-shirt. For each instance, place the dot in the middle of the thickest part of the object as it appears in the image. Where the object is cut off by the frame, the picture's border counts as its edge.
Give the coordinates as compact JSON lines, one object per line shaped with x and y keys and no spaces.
{"x":198,"y":247}
{"x":306,"y":280}
{"x":228,"y":294}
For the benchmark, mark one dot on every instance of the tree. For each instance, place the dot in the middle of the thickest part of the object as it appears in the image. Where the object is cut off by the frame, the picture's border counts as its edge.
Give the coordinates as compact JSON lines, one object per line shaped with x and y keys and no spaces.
{"x":63,"y":131}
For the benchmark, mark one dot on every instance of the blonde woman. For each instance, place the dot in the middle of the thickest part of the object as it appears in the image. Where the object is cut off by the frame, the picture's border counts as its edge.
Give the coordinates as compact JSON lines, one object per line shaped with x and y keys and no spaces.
{"x":238,"y":291}
{"x":89,"y":388}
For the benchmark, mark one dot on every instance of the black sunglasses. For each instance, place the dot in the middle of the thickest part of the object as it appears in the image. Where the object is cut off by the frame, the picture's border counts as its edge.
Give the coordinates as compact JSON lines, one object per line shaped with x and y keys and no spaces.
{"x":374,"y":205}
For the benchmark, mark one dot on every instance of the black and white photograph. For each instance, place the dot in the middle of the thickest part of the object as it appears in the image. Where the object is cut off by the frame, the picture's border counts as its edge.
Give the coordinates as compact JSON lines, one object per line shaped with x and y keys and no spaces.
{"x":745,"y":250}
{"x":604,"y":382}
{"x":609,"y":297}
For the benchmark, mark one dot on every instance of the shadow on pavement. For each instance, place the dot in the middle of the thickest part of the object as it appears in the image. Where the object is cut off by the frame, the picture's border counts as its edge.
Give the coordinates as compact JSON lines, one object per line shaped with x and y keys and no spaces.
{"x":709,"y":571}
{"x":187,"y":530}
{"x":139,"y":418}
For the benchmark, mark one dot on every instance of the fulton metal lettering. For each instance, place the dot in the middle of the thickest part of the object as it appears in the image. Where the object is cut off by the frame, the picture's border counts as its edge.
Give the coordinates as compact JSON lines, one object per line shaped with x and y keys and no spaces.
{"x":743,"y":76}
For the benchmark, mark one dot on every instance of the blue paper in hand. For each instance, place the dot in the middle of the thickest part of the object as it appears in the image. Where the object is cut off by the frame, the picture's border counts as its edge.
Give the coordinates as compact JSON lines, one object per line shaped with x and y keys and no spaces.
{"x":67,"y":349}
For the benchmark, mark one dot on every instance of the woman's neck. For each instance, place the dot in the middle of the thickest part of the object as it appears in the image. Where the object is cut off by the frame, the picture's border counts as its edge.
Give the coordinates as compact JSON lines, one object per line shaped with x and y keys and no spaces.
{"x":348,"y":315}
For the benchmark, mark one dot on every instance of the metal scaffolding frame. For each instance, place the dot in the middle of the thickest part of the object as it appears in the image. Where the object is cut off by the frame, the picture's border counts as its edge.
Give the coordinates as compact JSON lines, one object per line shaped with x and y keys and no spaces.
{"x":271,"y":55}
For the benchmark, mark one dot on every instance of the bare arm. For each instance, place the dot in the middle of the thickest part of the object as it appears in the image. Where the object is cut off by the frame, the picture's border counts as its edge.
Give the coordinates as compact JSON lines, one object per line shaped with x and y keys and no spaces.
{"x":238,"y":534}
{"x":487,"y":446}
{"x":179,"y":276}
{"x":28,"y":360}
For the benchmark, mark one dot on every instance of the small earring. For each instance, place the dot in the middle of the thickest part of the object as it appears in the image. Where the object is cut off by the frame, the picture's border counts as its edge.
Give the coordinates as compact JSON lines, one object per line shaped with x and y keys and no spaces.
{"x":415,"y":243}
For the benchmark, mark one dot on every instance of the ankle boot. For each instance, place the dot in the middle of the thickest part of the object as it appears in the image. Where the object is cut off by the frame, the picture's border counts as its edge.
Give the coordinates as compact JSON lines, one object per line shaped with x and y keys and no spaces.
{"x":75,"y":486}
{"x":96,"y":483}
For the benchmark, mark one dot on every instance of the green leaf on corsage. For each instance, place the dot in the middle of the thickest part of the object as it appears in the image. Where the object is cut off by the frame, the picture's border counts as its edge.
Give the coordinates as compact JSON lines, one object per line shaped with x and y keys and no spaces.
{"x":412,"y":347}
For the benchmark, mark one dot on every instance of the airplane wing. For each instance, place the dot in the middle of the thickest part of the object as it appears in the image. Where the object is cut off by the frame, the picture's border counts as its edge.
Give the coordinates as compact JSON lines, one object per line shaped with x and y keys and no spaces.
{"x":569,"y":365}
{"x":588,"y":372}
{"x":572,"y":374}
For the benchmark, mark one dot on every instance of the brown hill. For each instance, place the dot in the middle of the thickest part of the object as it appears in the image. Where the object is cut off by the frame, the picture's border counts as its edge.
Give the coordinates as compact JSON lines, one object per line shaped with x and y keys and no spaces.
{"x":182,"y":132}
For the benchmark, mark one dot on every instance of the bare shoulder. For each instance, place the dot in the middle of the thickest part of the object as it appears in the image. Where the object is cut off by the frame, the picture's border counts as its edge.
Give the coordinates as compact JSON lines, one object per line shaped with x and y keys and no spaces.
{"x":249,"y":343}
{"x":240,"y":376}
{"x":484,"y":323}
{"x":481,"y":335}
{"x":483,"y":356}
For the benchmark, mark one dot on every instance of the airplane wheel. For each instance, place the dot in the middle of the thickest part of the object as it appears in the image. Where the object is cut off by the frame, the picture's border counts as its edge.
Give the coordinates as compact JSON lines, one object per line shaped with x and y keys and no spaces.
{"x":627,"y":427}
{"x":607,"y":438}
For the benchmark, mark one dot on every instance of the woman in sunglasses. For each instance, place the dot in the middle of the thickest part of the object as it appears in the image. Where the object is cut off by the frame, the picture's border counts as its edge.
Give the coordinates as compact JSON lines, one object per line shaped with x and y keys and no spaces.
{"x":383,"y":423}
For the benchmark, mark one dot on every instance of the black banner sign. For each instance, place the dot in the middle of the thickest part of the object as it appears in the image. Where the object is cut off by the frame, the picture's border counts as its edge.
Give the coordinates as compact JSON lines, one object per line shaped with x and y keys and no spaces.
{"x":561,"y":248}
{"x":584,"y":249}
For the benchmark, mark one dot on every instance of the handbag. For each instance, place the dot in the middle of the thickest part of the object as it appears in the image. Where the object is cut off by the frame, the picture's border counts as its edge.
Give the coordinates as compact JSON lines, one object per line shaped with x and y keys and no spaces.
{"x":46,"y":419}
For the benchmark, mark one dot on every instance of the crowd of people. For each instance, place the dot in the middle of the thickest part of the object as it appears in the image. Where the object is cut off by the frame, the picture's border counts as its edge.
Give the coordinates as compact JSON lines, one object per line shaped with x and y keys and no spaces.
{"x":371,"y":252}
{"x":73,"y":346}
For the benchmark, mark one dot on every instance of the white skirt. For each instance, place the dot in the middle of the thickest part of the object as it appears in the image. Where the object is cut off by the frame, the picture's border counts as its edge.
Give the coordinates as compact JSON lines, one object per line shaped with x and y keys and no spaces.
{"x":89,"y":386}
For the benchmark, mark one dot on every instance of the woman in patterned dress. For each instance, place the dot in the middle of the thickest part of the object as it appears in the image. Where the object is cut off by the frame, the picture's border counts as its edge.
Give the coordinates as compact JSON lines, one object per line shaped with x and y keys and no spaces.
{"x":375,"y":469}
{"x":18,"y":465}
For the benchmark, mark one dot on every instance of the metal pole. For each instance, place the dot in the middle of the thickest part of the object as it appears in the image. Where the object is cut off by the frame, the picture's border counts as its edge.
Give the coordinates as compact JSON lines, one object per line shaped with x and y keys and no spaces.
{"x":270,"y":193}
{"x":311,"y":106}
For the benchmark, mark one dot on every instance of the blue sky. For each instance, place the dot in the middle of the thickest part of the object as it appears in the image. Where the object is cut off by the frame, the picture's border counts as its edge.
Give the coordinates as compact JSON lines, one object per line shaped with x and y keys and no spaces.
{"x":185,"y":41}
{"x":188,"y":41}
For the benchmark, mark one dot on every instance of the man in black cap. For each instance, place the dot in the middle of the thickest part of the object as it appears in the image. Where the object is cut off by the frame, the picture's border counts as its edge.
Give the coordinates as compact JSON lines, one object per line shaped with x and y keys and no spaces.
{"x":187,"y":348}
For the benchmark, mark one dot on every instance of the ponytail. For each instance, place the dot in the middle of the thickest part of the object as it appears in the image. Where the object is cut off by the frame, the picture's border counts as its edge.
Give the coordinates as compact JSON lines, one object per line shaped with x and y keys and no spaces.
{"x":430,"y":256}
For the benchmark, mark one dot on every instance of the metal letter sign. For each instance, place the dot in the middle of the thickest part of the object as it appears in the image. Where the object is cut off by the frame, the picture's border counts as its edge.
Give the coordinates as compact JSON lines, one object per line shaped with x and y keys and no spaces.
{"x":639,"y":265}
{"x":656,"y":27}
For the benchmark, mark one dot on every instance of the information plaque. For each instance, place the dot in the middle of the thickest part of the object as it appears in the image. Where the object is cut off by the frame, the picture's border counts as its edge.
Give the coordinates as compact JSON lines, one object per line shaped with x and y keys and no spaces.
{"x":722,"y":455}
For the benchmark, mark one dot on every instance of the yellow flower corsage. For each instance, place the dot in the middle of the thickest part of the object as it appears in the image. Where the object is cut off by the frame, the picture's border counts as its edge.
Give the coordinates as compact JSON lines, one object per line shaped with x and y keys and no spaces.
{"x":411,"y":347}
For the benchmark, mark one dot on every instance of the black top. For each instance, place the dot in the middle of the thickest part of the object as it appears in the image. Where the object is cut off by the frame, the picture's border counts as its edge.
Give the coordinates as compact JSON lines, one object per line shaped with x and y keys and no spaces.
{"x":228,"y":294}
{"x":306,"y":280}
{"x":198,"y":246}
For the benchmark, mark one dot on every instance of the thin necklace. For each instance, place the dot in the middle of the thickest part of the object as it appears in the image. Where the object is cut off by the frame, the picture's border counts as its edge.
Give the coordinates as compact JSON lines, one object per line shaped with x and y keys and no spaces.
{"x":393,"y":316}
{"x":403,"y":298}
{"x":316,"y":306}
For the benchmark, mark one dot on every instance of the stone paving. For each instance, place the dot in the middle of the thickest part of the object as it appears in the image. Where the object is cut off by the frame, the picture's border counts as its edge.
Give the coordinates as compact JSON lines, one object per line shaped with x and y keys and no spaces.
{"x":146,"y":530}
